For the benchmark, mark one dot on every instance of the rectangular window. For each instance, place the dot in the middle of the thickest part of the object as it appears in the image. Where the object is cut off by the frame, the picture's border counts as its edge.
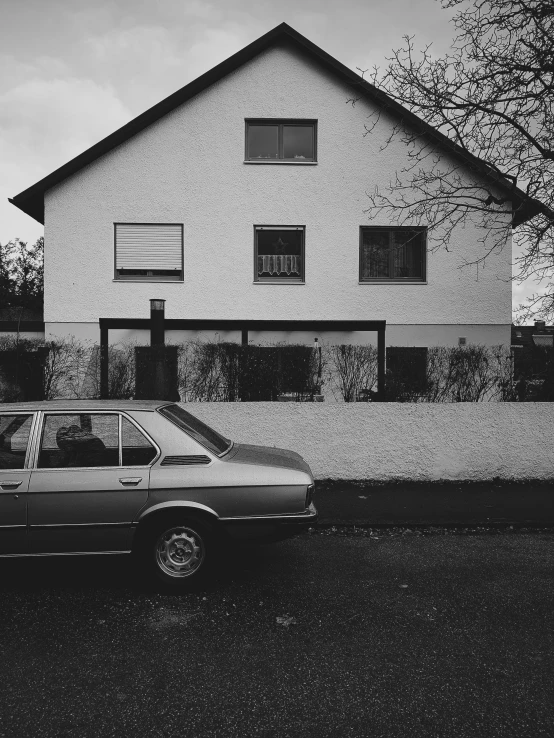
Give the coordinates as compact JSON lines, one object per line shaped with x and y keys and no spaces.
{"x":136,"y":449}
{"x":279,"y":253}
{"x":149,"y":251}
{"x":92,"y":440}
{"x":14,"y":438}
{"x":392,"y":254}
{"x":281,"y":140}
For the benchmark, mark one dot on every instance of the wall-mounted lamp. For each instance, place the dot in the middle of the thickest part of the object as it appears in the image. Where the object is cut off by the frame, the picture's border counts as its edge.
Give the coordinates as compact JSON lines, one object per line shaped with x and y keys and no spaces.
{"x":157,"y":315}
{"x":157,"y":305}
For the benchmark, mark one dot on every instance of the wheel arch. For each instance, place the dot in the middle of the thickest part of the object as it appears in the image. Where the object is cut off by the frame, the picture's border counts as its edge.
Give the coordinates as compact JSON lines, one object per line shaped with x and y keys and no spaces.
{"x":152,"y":515}
{"x":177,"y":505}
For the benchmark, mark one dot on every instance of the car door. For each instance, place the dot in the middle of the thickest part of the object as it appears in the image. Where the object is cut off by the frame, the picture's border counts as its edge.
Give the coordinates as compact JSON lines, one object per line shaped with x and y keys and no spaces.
{"x":15,"y":434}
{"x":89,"y":483}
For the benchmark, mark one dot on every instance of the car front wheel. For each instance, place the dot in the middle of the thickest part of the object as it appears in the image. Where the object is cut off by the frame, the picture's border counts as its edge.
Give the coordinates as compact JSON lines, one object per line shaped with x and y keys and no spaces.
{"x":178,"y":553}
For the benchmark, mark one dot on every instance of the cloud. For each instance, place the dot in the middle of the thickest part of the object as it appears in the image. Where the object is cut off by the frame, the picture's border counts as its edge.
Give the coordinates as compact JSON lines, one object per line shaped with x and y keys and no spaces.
{"x":148,"y":63}
{"x":55,"y":118}
{"x":43,"y":124}
{"x":51,"y":110}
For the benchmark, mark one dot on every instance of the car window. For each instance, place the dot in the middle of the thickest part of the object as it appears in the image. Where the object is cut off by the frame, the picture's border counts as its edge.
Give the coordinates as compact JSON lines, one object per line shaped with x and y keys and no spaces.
{"x":14,"y":438}
{"x":201,"y":432}
{"x":79,"y":440}
{"x":136,"y":448}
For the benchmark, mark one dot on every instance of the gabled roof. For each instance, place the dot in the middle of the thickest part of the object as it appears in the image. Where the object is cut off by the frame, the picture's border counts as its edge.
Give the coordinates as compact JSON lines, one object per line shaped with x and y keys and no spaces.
{"x":31,"y":200}
{"x":522,"y":335}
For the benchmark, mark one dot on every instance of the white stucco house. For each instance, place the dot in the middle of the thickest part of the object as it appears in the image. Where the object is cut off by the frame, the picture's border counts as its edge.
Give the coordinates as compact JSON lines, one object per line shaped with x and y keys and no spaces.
{"x":240,"y":201}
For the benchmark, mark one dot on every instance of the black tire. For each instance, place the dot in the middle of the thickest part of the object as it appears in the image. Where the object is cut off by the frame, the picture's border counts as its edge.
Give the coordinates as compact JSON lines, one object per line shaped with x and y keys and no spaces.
{"x":177,"y":553}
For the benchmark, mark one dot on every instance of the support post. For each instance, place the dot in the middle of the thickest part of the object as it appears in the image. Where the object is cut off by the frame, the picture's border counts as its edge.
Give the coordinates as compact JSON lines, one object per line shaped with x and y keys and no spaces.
{"x":104,"y":367}
{"x":244,"y":336}
{"x":157,"y":342}
{"x":381,"y":368}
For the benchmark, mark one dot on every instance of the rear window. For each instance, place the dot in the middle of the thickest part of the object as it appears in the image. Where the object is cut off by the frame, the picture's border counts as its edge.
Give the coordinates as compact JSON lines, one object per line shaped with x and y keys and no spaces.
{"x":208,"y":437}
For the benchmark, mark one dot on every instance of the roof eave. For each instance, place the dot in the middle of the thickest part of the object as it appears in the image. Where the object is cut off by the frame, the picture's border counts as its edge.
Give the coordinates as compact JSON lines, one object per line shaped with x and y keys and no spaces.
{"x":31,"y":200}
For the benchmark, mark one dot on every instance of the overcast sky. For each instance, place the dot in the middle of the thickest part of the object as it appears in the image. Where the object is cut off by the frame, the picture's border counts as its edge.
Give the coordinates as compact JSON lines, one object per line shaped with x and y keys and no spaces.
{"x":72,"y":71}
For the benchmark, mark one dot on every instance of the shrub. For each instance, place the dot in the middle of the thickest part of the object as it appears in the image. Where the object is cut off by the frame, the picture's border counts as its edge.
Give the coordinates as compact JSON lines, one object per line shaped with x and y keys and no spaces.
{"x":352,"y":370}
{"x":229,"y":372}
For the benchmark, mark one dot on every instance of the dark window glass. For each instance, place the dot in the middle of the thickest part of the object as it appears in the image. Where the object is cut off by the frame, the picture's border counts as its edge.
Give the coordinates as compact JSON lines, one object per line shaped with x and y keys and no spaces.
{"x":298,"y":142}
{"x":136,"y":449}
{"x":162,"y":273}
{"x":387,"y":253}
{"x":406,"y":370}
{"x":281,"y":141}
{"x":279,"y":254}
{"x":79,"y":440}
{"x":14,"y":437}
{"x":201,"y":432}
{"x":263,"y":142}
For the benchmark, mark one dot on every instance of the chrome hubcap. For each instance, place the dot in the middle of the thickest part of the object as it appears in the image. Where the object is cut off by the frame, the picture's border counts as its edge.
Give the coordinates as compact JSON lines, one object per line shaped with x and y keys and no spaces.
{"x":179,"y":552}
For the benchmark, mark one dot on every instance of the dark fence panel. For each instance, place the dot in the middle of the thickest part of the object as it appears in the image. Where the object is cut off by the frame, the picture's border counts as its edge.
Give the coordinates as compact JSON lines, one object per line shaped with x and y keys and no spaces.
{"x":406,"y":371}
{"x":22,"y":374}
{"x":156,"y":373}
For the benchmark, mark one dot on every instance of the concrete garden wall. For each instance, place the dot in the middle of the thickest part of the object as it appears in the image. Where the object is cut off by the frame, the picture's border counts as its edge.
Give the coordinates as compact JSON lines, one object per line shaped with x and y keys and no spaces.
{"x":382,"y":442}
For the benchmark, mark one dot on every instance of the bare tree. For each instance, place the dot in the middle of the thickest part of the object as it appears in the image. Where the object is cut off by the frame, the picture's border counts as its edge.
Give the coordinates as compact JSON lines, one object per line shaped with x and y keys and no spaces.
{"x":353,"y":370}
{"x":490,"y":102}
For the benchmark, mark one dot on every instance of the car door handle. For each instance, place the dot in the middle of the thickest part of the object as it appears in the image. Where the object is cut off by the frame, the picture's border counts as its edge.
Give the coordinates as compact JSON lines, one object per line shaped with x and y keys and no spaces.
{"x":10,"y":483}
{"x":130,"y":481}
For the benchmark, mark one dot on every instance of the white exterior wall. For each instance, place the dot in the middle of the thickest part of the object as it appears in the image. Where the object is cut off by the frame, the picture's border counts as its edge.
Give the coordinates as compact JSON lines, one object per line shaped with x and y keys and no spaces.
{"x":396,"y":335}
{"x":397,"y":441}
{"x":188,"y":168}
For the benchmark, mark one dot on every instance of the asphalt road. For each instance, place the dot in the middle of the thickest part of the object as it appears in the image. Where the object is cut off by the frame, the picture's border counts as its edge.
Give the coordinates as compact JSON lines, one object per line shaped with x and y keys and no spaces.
{"x":323,"y":635}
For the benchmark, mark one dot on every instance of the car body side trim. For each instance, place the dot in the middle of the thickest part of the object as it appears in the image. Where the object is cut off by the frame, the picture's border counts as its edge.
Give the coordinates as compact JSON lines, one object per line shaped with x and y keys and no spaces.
{"x":64,"y":553}
{"x":308,"y":516}
{"x":80,"y":525}
{"x":13,"y":527}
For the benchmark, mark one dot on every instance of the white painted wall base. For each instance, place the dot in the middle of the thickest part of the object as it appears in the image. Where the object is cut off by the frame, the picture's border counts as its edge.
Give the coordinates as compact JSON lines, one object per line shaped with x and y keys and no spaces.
{"x":396,"y":335}
{"x":396,"y":441}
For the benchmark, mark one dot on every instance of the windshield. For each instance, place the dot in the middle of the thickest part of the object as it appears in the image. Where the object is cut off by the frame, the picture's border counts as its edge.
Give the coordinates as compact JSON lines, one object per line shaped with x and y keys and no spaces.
{"x":201,"y":432}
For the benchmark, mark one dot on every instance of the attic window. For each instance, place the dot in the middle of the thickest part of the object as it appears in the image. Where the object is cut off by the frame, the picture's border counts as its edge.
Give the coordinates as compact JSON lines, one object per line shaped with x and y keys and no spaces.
{"x":270,"y":141}
{"x":149,"y":252}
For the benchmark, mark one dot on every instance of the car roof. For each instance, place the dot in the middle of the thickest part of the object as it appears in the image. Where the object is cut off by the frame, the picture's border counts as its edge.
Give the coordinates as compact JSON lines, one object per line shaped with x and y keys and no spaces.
{"x":80,"y":405}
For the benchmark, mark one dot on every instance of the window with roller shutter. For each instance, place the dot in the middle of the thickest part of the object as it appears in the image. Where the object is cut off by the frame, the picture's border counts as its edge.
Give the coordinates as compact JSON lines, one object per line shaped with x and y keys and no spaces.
{"x":149,"y":251}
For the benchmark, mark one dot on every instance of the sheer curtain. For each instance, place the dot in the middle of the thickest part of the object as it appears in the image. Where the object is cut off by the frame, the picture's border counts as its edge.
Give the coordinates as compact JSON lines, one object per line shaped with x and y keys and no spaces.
{"x":278,"y":264}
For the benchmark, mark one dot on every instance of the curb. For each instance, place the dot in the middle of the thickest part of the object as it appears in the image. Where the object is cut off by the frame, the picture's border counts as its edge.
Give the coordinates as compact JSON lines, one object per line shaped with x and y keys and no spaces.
{"x":443,"y":504}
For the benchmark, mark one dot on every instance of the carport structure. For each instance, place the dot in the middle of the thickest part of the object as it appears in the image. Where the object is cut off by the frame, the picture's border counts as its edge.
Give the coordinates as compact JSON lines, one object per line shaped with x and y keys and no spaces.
{"x":245,"y":327}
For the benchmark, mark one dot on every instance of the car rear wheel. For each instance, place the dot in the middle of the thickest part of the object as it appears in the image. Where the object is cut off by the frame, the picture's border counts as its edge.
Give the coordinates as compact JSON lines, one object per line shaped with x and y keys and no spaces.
{"x":178,"y":553}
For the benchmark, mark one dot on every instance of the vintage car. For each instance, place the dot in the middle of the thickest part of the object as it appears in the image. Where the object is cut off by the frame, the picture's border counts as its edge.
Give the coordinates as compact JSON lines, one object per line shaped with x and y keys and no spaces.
{"x":141,"y":477}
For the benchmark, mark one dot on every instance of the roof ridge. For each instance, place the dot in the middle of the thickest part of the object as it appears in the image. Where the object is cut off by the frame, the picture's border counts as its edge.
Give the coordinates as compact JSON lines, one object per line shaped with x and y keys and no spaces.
{"x":31,"y":200}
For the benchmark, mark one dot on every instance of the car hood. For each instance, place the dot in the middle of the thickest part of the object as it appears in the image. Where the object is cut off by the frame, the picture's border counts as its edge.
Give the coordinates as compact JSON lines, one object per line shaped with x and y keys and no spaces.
{"x":244,"y":453}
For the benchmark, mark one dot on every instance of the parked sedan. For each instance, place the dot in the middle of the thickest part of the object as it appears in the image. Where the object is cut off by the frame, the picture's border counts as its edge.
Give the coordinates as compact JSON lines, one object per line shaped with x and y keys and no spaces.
{"x":142,"y":477}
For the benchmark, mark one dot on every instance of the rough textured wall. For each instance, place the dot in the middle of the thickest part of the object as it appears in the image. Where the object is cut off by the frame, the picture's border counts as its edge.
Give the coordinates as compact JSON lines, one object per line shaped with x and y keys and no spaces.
{"x":399,"y":441}
{"x":396,"y":335}
{"x":188,"y":167}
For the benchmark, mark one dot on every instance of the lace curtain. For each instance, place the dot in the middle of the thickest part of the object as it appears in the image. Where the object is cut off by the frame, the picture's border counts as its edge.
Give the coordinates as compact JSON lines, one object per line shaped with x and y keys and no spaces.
{"x":278,"y":264}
